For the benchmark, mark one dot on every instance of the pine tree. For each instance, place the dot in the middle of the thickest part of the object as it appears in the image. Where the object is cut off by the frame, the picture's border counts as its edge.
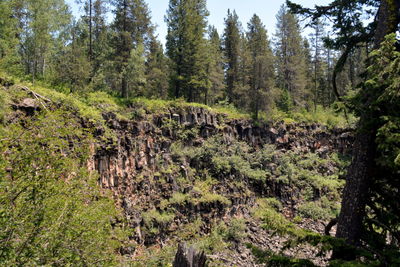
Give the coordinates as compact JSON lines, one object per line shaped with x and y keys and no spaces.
{"x":71,"y":65}
{"x":231,"y":45}
{"x":317,"y":62}
{"x":215,"y":68}
{"x":100,"y":34}
{"x":364,"y":176}
{"x":156,"y":71}
{"x":133,"y":28}
{"x":187,"y":49}
{"x":88,"y":18}
{"x":262,"y":69}
{"x":95,"y":37}
{"x":291,"y":65}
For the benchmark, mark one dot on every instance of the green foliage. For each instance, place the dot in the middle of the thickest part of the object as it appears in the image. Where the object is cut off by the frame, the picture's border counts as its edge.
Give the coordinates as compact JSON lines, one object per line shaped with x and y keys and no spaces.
{"x":274,"y":220}
{"x":215,"y":68}
{"x":383,"y":116}
{"x":52,"y":211}
{"x":230,"y":111}
{"x":187,"y":48}
{"x":235,"y":231}
{"x":290,"y":60}
{"x":133,"y":27}
{"x":44,"y":24}
{"x":9,"y":57}
{"x":215,"y":241}
{"x":272,"y":259}
{"x":261,"y":78}
{"x":232,"y":49}
{"x":3,"y":105}
{"x":135,"y":72}
{"x":322,"y":115}
{"x":201,"y":193}
{"x":274,"y":203}
{"x":156,"y":71}
{"x":319,"y":210}
{"x":154,"y":220}
{"x":155,"y":257}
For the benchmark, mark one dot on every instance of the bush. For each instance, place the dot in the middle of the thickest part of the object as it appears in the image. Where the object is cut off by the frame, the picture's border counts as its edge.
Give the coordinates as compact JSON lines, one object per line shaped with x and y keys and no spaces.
{"x":52,"y":210}
{"x":3,"y":105}
{"x":154,"y":220}
{"x":236,"y":230}
{"x":323,"y":209}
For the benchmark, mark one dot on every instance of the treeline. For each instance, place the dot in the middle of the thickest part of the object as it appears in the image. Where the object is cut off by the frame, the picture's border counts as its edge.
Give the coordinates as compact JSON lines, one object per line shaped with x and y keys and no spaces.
{"x":244,"y":66}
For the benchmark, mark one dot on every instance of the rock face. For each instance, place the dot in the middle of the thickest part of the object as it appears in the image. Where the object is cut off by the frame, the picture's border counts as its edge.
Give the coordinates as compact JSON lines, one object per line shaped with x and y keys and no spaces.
{"x":136,"y":164}
{"x":189,"y":257}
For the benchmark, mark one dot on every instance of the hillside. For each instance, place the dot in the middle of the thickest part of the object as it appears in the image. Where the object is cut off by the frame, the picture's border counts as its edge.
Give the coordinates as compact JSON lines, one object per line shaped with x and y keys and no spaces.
{"x":157,"y":173}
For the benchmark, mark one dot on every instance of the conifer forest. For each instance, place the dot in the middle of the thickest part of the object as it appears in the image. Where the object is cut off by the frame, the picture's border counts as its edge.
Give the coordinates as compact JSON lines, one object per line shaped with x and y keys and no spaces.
{"x":127,"y":143}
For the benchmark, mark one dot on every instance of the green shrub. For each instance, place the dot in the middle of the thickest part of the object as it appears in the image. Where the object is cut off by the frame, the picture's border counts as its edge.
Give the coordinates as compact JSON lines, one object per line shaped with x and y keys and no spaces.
{"x":323,"y":209}
{"x":274,"y":203}
{"x":3,"y":105}
{"x":213,"y":242}
{"x":154,"y":218}
{"x":52,"y":209}
{"x":236,"y":230}
{"x":314,"y":211}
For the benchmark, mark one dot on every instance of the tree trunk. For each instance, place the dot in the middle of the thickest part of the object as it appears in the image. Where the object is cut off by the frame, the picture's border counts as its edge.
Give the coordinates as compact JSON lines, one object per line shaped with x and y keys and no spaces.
{"x":189,"y":257}
{"x":356,"y":190}
{"x":124,"y":87}
{"x":360,"y":173}
{"x":388,"y":19}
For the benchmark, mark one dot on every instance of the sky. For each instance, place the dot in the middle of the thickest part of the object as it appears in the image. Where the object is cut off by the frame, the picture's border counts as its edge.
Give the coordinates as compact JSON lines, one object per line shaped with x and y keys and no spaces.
{"x":265,"y":9}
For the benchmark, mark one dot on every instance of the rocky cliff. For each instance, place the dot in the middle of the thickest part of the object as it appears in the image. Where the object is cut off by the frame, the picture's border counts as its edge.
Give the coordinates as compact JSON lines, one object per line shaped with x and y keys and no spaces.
{"x":175,"y":170}
{"x":186,"y":173}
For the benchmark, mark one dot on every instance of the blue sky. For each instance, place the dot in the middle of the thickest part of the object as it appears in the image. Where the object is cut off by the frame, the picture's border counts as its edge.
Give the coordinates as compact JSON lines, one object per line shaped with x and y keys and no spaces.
{"x":266,"y":9}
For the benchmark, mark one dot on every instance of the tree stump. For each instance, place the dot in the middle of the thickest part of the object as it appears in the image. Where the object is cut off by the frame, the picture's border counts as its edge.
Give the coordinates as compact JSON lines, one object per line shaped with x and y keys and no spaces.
{"x":189,"y":257}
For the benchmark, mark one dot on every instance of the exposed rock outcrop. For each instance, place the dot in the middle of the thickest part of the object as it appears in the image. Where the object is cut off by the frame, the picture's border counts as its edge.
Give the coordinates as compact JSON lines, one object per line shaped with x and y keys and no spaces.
{"x":136,"y":165}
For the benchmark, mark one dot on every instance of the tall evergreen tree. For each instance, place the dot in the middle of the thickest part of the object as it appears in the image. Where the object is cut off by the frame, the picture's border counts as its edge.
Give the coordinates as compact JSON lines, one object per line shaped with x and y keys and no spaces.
{"x":317,"y":48}
{"x":231,"y":45}
{"x":133,"y":28}
{"x":262,"y":68}
{"x":186,"y":47}
{"x":71,"y":65}
{"x":157,"y":71}
{"x":364,"y":175}
{"x":95,"y":36}
{"x":291,"y":64}
{"x":88,"y":18}
{"x":100,"y":33}
{"x":215,"y":68}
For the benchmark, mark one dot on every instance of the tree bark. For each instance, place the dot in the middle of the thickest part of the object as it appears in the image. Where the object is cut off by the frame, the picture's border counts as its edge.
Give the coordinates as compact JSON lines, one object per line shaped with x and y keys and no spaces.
{"x":388,"y":19}
{"x":361,"y":171}
{"x":355,"y":193}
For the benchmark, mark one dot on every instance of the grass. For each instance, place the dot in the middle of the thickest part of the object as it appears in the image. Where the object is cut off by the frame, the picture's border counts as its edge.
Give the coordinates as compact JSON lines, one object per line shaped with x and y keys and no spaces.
{"x":323,"y":209}
{"x":91,"y":104}
{"x":157,"y":106}
{"x":4,"y":105}
{"x":274,"y":220}
{"x":324,"y":116}
{"x":200,"y":193}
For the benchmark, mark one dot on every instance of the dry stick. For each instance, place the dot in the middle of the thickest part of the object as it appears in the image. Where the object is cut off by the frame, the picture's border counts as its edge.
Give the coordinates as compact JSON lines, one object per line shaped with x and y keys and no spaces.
{"x":34,"y":93}
{"x":37,"y":96}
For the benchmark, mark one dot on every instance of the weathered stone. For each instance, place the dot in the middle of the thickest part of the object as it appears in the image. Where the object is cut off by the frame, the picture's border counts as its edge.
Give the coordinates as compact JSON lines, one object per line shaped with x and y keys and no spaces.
{"x":137,"y":168}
